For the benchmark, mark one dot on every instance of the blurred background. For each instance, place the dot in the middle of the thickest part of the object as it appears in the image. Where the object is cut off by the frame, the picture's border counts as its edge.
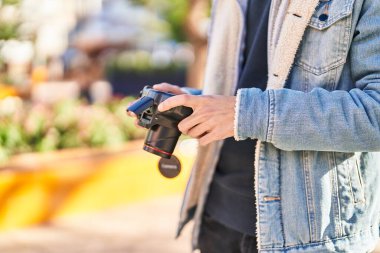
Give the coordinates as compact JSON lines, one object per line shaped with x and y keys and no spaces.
{"x":73,"y":176}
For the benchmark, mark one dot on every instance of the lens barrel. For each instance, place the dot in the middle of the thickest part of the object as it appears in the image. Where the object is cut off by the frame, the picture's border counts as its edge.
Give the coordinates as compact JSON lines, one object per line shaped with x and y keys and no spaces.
{"x":161,"y":141}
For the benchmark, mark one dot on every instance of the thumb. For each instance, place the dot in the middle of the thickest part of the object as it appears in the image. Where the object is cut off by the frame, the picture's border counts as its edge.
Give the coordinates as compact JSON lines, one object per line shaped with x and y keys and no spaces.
{"x":185,"y":100}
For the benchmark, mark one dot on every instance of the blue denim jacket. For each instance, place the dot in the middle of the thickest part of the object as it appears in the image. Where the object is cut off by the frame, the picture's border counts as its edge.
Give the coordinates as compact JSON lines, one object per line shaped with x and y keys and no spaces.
{"x":318,"y":170}
{"x":319,"y":177}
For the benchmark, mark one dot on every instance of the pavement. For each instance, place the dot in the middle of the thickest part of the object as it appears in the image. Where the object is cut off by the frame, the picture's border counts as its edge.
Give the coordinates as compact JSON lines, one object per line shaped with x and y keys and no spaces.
{"x":146,"y":227}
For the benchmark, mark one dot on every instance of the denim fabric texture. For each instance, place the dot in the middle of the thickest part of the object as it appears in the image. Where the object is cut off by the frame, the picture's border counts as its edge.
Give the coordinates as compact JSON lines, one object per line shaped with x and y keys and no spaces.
{"x":318,"y":189}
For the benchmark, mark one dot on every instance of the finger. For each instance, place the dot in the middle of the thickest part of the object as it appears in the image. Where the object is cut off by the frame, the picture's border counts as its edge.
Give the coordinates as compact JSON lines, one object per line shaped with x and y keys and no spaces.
{"x":185,"y":100}
{"x":199,"y":131}
{"x":166,"y":87}
{"x":129,"y":113}
{"x":188,"y":123}
{"x":207,"y":139}
{"x":136,"y":122}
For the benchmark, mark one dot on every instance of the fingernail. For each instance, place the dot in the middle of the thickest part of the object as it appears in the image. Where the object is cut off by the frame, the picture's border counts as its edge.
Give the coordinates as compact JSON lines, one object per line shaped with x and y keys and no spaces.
{"x":160,"y":107}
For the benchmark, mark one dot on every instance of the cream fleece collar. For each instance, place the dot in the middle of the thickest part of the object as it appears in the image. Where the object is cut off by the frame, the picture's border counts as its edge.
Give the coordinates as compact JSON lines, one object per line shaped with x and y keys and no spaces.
{"x":286,"y":32}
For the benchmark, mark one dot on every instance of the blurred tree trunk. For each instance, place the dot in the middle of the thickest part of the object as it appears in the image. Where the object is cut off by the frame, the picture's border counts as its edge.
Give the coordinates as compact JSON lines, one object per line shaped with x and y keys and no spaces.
{"x":196,"y":29}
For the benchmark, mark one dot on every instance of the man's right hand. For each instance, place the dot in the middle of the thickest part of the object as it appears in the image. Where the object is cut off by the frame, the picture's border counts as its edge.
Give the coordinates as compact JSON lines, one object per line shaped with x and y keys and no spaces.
{"x":164,"y":87}
{"x":170,"y":88}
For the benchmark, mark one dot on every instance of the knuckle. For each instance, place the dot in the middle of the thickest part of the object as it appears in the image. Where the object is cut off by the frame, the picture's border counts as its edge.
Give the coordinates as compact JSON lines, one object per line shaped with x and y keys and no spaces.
{"x":165,"y":85}
{"x":181,"y":127}
{"x":160,"y":86}
{"x":205,"y":117}
{"x":185,"y":98}
{"x":193,"y":133}
{"x":163,"y":103}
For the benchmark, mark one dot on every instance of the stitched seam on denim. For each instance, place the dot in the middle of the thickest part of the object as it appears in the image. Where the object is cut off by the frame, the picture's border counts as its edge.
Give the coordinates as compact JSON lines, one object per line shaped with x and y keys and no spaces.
{"x":313,"y":204}
{"x":306,"y":81}
{"x":341,"y":59}
{"x":332,"y":82}
{"x":354,"y":171}
{"x":322,"y":25}
{"x":281,"y":212}
{"x":271,"y":115}
{"x":318,"y":25}
{"x":237,"y":113}
{"x":362,"y":185}
{"x":268,"y":117}
{"x":309,"y":197}
{"x":295,"y":246}
{"x":348,"y":169}
{"x":336,"y":203}
{"x":320,"y":71}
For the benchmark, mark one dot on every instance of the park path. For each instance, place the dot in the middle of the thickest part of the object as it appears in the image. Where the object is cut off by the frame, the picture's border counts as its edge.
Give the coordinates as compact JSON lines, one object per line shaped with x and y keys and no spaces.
{"x":146,"y":227}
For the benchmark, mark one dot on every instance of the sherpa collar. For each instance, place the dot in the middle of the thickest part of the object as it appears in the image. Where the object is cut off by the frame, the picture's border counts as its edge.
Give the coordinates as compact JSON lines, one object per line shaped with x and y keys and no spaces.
{"x":286,"y":38}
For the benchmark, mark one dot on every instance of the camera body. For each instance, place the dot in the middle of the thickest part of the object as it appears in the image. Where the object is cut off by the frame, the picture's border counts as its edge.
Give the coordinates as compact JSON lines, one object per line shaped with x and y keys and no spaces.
{"x":163,"y":131}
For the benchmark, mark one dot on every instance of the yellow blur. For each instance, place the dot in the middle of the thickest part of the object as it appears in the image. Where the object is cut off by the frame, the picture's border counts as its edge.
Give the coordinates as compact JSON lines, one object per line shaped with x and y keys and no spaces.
{"x":36,"y":188}
{"x":7,"y":91}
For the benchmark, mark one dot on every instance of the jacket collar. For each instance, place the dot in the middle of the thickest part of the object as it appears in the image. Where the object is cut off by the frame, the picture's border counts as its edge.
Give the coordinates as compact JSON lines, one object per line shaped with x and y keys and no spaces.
{"x":288,"y":20}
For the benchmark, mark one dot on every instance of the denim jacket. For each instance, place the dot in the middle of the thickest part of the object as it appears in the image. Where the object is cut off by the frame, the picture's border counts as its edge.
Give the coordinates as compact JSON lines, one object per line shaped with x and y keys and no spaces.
{"x":317,"y":167}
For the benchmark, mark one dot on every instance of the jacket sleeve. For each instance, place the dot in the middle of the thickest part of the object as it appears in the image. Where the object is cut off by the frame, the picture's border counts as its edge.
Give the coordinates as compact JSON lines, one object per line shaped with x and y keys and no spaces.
{"x":342,"y":121}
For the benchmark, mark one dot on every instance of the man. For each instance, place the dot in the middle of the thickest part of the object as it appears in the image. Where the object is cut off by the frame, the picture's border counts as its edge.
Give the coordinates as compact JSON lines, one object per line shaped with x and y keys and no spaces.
{"x":317,"y":125}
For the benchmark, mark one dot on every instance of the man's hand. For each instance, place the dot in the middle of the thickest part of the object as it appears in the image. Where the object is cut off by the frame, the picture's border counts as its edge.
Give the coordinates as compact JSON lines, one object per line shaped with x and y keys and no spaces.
{"x":164,"y":87}
{"x":212,"y":119}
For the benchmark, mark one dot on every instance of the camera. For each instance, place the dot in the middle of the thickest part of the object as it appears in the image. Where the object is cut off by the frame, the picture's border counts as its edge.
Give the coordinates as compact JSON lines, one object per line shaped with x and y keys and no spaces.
{"x":163,"y":131}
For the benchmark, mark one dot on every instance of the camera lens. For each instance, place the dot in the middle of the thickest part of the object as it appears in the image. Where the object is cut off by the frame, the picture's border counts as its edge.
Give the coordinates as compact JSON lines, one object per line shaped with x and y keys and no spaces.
{"x":161,"y":140}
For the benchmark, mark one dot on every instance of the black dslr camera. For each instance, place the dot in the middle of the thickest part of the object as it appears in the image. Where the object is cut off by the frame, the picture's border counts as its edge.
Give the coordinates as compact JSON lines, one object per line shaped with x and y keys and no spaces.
{"x":163,"y":131}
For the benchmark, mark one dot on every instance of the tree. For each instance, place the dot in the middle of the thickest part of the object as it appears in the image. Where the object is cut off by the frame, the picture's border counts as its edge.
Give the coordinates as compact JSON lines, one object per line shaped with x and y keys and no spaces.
{"x":196,"y":28}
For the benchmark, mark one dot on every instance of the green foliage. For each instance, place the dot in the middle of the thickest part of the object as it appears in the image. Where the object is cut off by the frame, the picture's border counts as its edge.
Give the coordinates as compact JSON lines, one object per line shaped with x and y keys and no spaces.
{"x":10,"y":2}
{"x":8,"y":31}
{"x":173,"y":11}
{"x":68,"y":124}
{"x":176,"y":16}
{"x":141,"y":62}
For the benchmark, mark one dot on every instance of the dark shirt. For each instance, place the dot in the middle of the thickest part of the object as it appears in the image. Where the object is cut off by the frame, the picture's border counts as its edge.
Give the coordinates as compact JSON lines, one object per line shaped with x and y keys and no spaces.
{"x":231,"y":199}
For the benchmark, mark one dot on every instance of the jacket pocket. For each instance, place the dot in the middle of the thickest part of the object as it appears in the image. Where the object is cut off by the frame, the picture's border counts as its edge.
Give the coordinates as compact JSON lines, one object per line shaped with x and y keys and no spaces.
{"x":350,"y":182}
{"x":326,"y":40}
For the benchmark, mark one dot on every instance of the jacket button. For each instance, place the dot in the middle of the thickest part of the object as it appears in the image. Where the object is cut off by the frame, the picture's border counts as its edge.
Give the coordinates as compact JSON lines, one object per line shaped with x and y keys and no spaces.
{"x":323,"y":17}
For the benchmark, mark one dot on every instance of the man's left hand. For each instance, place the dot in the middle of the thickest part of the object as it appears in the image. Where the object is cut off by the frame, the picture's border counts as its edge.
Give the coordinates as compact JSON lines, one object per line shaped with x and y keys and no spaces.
{"x":212,"y":118}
